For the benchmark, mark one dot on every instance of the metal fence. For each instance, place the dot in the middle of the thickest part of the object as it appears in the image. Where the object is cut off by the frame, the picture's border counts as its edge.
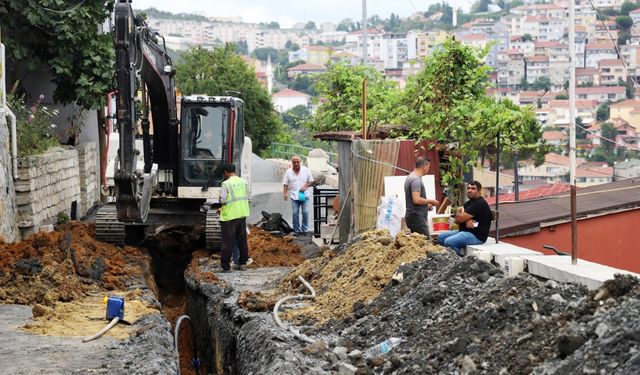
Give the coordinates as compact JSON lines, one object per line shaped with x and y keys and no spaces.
{"x":287,"y":151}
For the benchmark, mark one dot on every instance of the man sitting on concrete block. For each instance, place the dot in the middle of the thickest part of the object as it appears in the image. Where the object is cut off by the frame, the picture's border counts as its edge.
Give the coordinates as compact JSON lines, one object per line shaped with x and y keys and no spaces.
{"x":474,"y":219}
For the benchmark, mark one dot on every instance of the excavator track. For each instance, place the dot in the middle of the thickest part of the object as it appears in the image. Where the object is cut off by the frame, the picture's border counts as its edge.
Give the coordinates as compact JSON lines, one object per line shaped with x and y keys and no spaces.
{"x":108,"y":228}
{"x":213,"y":231}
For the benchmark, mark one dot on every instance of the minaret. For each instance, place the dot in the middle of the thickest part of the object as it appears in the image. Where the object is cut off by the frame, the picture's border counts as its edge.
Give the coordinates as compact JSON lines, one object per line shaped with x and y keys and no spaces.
{"x":269,"y":75}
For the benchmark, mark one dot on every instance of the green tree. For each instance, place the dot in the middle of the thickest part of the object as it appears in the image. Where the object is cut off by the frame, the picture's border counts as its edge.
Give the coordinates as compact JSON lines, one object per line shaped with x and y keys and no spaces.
{"x":447,"y":103}
{"x":527,"y":37}
{"x":310,"y":25}
{"x":296,"y":116}
{"x":480,"y":6}
{"x":64,"y":40}
{"x":581,"y":132}
{"x":214,"y":72}
{"x":340,"y":88}
{"x":562,"y":96}
{"x":628,"y":7}
{"x":242,"y":48}
{"x":346,"y":25}
{"x":542,"y":83}
{"x":608,"y":133}
{"x":304,"y":83}
{"x":524,"y":84}
{"x":624,"y":22}
{"x":262,"y":54}
{"x":603,"y":112}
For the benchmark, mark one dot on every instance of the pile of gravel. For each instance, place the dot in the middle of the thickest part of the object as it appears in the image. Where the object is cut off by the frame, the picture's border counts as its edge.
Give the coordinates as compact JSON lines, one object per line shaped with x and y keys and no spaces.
{"x":465,"y":316}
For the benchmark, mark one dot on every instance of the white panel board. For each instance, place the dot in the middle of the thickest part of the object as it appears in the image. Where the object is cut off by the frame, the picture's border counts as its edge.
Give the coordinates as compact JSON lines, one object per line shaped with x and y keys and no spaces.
{"x":394,"y":186}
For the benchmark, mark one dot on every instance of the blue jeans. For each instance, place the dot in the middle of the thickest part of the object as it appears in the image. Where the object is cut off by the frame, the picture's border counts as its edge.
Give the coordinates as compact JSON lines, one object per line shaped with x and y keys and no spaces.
{"x":295,"y":206}
{"x":456,"y":240}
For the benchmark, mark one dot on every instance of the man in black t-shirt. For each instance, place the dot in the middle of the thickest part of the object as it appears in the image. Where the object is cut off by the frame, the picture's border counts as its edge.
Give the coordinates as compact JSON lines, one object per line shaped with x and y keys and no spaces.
{"x":474,"y":219}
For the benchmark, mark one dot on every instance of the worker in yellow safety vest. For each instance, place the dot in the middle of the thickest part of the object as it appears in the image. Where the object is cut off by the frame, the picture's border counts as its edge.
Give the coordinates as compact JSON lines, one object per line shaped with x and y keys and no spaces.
{"x":234,"y":197}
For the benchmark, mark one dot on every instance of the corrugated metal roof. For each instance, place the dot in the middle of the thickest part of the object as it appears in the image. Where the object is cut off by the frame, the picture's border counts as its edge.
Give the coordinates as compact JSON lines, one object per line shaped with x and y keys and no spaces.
{"x":529,"y":216}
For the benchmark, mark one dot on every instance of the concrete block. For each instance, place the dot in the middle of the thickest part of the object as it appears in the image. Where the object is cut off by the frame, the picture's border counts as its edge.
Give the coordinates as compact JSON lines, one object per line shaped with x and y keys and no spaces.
{"x":513,"y":265}
{"x":559,"y":268}
{"x":483,"y":255}
{"x":502,"y":250}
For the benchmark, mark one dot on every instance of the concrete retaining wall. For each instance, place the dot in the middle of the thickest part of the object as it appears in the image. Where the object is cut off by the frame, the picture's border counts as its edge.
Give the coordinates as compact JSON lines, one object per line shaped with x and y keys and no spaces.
{"x":52,"y":183}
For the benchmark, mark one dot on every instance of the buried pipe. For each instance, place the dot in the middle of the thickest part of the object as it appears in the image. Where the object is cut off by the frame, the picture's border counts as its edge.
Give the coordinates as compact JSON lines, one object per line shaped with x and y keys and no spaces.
{"x":104,"y":330}
{"x":298,"y":297}
{"x":195,"y":361}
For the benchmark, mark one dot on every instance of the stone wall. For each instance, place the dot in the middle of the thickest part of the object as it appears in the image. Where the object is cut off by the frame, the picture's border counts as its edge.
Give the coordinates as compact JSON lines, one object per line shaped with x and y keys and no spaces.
{"x":8,"y":228}
{"x":53,"y":183}
{"x":89,"y":176}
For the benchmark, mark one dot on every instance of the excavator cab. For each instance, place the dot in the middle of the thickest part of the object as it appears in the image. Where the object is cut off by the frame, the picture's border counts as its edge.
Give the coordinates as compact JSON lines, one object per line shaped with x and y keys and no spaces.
{"x":211,"y":134}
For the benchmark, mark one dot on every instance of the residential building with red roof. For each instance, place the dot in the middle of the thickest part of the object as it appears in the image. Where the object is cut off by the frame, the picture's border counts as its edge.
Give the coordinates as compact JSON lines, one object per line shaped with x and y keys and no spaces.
{"x":286,"y":99}
{"x":602,"y":94}
{"x":628,"y":110}
{"x":303,"y":69}
{"x":611,"y":72}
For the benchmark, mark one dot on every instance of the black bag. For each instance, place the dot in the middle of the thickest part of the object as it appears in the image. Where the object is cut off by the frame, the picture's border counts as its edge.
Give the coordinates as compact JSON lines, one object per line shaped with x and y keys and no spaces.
{"x":275,"y":223}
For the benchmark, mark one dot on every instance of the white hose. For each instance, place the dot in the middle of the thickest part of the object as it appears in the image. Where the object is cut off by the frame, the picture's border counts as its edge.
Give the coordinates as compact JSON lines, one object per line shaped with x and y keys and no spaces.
{"x":104,"y":330}
{"x":299,"y":297}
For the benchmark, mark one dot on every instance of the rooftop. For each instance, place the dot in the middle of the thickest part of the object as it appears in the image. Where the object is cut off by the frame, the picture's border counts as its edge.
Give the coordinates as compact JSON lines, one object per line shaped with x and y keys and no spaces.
{"x":531,"y":215}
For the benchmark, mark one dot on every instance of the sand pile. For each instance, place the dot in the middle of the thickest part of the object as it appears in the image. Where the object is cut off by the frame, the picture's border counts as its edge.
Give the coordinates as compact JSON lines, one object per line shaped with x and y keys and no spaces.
{"x":66,"y":265}
{"x":86,"y":316}
{"x":343,"y":280}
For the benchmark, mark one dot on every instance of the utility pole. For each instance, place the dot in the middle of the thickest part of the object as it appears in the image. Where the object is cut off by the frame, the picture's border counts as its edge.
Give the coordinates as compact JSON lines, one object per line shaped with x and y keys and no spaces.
{"x":572,"y":131}
{"x":364,"y":32}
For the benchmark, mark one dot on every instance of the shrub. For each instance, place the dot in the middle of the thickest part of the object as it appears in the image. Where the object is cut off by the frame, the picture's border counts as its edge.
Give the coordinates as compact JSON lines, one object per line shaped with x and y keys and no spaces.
{"x":33,"y":125}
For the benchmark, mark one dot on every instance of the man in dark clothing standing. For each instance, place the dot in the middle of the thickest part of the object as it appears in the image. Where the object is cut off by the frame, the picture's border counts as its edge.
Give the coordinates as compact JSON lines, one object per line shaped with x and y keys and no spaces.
{"x":415,"y":197}
{"x":474,"y":219}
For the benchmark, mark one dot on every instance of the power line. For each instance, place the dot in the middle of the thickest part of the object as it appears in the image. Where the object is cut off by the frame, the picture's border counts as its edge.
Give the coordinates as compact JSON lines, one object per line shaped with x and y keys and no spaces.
{"x":615,"y":46}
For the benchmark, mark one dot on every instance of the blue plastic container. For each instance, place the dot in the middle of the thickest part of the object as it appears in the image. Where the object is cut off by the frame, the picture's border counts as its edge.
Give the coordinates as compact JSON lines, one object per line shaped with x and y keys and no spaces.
{"x":115,"y":307}
{"x":301,"y":196}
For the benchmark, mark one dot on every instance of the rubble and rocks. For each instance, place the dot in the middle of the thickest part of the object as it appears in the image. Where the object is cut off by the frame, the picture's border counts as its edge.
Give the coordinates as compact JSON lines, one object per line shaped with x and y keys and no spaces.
{"x":464,"y":316}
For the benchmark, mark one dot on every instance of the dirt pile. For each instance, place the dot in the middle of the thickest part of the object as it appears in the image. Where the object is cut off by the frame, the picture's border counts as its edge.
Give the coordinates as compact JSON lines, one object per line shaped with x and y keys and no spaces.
{"x":66,"y":265}
{"x":268,"y":250}
{"x":463,"y":316}
{"x":345,"y":279}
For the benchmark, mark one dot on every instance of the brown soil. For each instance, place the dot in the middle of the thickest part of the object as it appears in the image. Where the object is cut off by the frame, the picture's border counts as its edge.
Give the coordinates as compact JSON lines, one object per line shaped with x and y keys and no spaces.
{"x":356,"y":275}
{"x":271,"y":251}
{"x":67,"y":265}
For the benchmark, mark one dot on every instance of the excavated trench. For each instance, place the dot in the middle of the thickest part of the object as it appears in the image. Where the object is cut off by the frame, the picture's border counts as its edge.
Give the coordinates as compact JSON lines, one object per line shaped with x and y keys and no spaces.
{"x":229,"y":339}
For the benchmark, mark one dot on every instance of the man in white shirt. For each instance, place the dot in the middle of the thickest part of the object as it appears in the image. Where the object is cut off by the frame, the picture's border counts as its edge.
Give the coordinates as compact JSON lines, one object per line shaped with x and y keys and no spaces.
{"x":296,"y":183}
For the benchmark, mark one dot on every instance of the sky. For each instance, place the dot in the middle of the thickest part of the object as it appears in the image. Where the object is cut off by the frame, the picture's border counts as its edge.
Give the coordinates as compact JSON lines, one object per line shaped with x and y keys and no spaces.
{"x":289,"y":12}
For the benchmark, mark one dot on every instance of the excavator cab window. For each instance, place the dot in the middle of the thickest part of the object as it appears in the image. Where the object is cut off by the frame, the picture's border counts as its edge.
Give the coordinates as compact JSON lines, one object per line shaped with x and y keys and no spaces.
{"x":202,"y":144}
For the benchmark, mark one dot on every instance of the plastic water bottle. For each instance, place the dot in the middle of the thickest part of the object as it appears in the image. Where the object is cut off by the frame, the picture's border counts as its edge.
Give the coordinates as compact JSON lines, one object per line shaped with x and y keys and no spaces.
{"x":383,"y":347}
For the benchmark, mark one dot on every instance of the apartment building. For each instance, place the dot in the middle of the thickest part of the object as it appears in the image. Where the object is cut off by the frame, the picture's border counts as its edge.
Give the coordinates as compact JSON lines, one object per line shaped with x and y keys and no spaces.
{"x":599,"y":51}
{"x":628,"y":110}
{"x":611,"y":72}
{"x":559,"y":112}
{"x":543,"y":27}
{"x":421,"y":44}
{"x":536,"y":67}
{"x":602,"y":94}
{"x":587,"y":76}
{"x":510,"y":69}
{"x":394,"y":50}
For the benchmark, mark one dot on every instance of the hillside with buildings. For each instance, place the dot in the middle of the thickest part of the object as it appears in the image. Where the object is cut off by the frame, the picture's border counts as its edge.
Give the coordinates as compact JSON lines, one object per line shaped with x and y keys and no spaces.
{"x":528,"y":52}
